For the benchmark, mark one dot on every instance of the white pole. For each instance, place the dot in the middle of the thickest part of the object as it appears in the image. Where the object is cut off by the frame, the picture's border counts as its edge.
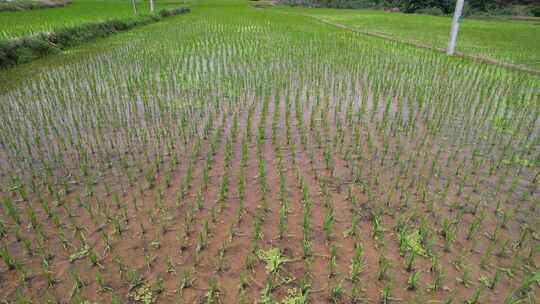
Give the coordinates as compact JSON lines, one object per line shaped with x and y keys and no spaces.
{"x":455,"y":27}
{"x":134,"y":7}
{"x":151,"y":5}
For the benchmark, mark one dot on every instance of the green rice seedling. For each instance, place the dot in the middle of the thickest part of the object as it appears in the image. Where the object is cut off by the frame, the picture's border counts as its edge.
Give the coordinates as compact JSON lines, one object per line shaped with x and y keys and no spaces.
{"x":263,"y":185}
{"x":258,"y":222}
{"x":504,"y":249}
{"x":336,"y":293}
{"x":353,"y":230}
{"x":511,"y":299}
{"x":242,"y":297}
{"x":103,"y":285}
{"x":201,"y":243}
{"x":149,"y":260}
{"x":47,"y":273}
{"x":486,"y":257}
{"x":12,"y":211}
{"x":273,"y":259}
{"x":357,"y":263}
{"x":384,"y":267}
{"x":157,"y":285}
{"x":411,"y":258}
{"x":214,"y":211}
{"x":23,"y":271}
{"x":440,"y":276}
{"x":20,"y":297}
{"x":496,"y":279}
{"x":241,"y":186}
{"x":134,"y":279}
{"x":295,"y":296}
{"x":449,"y":238}
{"x":412,"y":282}
{"x":94,"y":258}
{"x":32,"y":217}
{"x":357,"y":295}
{"x":332,"y":261}
{"x":524,"y":235}
{"x":282,"y":221}
{"x":78,"y":283}
{"x":171,"y":266}
{"x":306,"y":248}
{"x":222,"y":194}
{"x":465,"y":277}
{"x":81,"y":253}
{"x":329,"y":225}
{"x":213,"y":293}
{"x":378,"y":230}
{"x":244,"y":280}
{"x":473,"y":227}
{"x":231,"y":233}
{"x":533,"y":251}
{"x":530,"y":280}
{"x":385,"y":295}
{"x":251,"y":259}
{"x":476,"y":296}
{"x":28,"y":246}
{"x":186,"y":280}
{"x":220,"y":263}
{"x":266,"y":293}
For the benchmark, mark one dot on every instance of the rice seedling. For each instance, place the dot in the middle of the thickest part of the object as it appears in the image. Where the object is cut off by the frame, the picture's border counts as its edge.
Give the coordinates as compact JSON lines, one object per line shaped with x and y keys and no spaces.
{"x":223,"y":141}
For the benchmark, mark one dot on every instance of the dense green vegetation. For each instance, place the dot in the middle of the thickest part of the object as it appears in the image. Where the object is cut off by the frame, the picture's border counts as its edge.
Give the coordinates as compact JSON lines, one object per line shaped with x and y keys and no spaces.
{"x":509,"y":7}
{"x":22,"y":50}
{"x":515,"y":42}
{"x":243,"y":155}
{"x":22,"y":23}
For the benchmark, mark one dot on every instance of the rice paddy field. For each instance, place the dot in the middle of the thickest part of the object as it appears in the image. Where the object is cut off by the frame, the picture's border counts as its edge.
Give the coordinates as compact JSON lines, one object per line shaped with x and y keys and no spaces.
{"x":21,"y":23}
{"x":243,"y":155}
{"x":508,"y":41}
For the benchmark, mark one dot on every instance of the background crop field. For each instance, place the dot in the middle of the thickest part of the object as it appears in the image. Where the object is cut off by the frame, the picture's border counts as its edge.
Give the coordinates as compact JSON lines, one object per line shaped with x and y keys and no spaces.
{"x":20,"y":23}
{"x":242,"y":155}
{"x":515,"y":42}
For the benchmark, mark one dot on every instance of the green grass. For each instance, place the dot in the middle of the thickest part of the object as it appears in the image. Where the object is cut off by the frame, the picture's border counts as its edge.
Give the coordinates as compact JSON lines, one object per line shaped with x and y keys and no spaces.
{"x":514,"y":42}
{"x":21,"y":23}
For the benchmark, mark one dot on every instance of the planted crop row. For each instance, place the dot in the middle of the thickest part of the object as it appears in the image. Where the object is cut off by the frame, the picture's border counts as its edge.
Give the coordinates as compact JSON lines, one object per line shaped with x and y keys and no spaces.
{"x":237,"y":155}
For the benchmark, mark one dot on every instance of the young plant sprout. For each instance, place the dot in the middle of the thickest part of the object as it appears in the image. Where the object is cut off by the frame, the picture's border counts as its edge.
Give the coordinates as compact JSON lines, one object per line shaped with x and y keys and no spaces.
{"x":244,"y":156}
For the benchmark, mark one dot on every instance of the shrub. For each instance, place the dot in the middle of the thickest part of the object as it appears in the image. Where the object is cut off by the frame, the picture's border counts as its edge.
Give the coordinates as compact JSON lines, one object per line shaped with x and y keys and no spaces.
{"x":435,"y":11}
{"x":176,"y":11}
{"x":520,"y":10}
{"x":514,"y":10}
{"x":535,"y":11}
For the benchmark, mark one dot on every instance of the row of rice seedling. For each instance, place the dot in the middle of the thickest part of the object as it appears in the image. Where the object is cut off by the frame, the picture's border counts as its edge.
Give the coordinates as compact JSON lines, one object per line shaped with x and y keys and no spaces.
{"x":237,"y":155}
